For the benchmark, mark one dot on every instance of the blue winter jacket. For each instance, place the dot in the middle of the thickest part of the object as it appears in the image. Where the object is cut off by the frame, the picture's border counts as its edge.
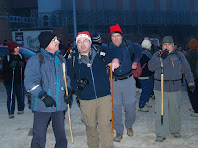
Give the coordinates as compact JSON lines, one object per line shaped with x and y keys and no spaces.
{"x":126,"y":63}
{"x":51,"y":74}
{"x":98,"y":79}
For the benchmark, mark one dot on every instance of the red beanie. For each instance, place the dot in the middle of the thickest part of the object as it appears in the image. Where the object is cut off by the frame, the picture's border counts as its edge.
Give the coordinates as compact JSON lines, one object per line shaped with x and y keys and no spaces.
{"x":83,"y":34}
{"x":12,"y":45}
{"x":115,"y":29}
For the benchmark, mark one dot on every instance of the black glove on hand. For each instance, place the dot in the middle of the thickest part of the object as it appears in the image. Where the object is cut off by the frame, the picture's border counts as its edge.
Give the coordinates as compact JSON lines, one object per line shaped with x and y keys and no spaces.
{"x":13,"y":64}
{"x":48,"y":100}
{"x":21,"y":64}
{"x":192,"y":88}
{"x":82,"y":83}
{"x":164,"y":54}
{"x":68,"y":98}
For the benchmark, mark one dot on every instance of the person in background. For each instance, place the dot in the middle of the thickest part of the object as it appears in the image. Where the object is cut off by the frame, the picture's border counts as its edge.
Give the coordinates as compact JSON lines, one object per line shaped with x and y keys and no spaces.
{"x":146,"y":78}
{"x":97,"y":40}
{"x":192,"y":57}
{"x":13,"y":74}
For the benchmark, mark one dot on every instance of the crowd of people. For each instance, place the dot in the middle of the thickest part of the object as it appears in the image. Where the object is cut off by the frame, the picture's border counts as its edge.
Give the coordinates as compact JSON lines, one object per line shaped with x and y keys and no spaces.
{"x":91,"y":67}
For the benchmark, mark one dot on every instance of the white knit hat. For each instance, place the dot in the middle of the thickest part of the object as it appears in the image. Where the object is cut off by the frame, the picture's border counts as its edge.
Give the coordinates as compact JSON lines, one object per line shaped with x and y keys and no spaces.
{"x":146,"y":44}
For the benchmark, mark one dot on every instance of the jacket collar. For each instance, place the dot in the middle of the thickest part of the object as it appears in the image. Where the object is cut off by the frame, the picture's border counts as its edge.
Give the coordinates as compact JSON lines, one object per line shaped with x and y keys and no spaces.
{"x":51,"y":54}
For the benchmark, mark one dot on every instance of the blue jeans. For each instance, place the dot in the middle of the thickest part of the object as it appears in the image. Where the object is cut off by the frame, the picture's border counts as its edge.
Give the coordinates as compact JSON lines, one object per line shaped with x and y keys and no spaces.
{"x":19,"y":93}
{"x":147,"y":88}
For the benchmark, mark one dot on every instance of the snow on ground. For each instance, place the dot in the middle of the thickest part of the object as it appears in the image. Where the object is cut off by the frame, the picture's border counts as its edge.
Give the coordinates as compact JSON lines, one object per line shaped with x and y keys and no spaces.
{"x":16,"y":133}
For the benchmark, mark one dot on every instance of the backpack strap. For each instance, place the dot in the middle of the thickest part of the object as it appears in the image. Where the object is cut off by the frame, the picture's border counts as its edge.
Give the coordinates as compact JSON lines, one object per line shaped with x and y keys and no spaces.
{"x":126,"y":44}
{"x":60,"y":57}
{"x":40,"y":55}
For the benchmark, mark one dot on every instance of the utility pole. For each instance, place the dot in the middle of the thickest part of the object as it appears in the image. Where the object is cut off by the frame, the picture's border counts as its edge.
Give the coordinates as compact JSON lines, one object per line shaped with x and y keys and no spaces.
{"x":74,"y":16}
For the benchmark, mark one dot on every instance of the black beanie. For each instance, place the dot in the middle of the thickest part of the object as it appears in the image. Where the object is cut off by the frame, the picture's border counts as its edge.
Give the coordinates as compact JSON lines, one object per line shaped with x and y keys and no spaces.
{"x":45,"y":38}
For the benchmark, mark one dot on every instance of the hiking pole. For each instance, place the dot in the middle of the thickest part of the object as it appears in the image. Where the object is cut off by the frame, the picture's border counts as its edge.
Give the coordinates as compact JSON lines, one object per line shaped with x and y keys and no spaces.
{"x":162,"y":91}
{"x":66,"y":90}
{"x":12,"y":89}
{"x":111,"y":79}
{"x":22,"y":94}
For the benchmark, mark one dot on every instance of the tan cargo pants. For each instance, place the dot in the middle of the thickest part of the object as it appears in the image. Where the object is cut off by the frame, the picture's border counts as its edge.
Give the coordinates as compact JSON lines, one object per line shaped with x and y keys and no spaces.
{"x":97,"y":112}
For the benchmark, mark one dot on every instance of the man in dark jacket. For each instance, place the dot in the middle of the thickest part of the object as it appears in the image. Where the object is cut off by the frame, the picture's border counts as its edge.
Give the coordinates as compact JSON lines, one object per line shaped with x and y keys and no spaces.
{"x":124,"y":88}
{"x":45,"y":82}
{"x":91,"y":83}
{"x":171,"y":64}
{"x":13,"y":70}
{"x":192,"y":57}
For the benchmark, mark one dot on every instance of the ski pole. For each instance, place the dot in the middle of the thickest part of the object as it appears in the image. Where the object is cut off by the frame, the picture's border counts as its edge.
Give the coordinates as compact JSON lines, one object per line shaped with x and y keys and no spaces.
{"x":111,"y":79}
{"x":22,"y":95}
{"x":162,"y":91}
{"x":67,"y":104}
{"x":12,"y":89}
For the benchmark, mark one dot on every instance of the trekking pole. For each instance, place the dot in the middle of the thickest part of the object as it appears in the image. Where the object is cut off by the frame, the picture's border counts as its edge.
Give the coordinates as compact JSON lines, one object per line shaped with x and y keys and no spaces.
{"x":22,"y":94}
{"x":111,"y":79}
{"x":67,"y":104}
{"x":12,"y":89}
{"x":162,"y":91}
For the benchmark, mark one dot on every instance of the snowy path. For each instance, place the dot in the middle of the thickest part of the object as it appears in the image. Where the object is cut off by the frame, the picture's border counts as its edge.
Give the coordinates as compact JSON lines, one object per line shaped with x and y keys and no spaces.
{"x":14,"y":132}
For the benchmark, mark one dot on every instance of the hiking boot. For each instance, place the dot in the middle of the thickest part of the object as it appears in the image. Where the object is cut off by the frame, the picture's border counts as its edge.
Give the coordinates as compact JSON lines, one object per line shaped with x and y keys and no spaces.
{"x":118,"y":138}
{"x":11,"y":116}
{"x":143,"y":109}
{"x":191,"y":109}
{"x":194,"y":114}
{"x":148,"y":105}
{"x":177,"y":135}
{"x":130,"y":132}
{"x":159,"y":139}
{"x":20,"y":112}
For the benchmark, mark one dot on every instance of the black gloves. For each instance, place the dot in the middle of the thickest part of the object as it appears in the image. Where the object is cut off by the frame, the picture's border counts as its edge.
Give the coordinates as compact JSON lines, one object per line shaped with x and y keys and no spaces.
{"x":192,"y":88}
{"x":13,"y":64}
{"x":21,"y":64}
{"x":48,"y":100}
{"x":68,"y":98}
{"x":82,"y":83}
{"x":163,"y":54}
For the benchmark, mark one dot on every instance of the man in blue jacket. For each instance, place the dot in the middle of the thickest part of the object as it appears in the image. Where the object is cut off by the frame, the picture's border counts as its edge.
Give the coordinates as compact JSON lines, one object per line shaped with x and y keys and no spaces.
{"x":124,"y":88}
{"x":91,"y":83}
{"x":45,"y":82}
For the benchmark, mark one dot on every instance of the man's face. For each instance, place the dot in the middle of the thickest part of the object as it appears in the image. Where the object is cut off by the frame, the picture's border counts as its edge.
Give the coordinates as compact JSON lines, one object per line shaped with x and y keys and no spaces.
{"x":116,"y":39}
{"x":53,"y":45}
{"x":16,"y":51}
{"x":168,"y":46}
{"x":83,"y":45}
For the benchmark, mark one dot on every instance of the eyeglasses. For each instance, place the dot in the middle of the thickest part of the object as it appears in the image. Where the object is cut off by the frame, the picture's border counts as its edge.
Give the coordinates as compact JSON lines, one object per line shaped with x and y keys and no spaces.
{"x":55,"y":39}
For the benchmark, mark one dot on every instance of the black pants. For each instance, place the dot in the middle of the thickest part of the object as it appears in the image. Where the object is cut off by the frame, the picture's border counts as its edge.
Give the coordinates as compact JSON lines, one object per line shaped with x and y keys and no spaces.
{"x":40,"y":129}
{"x":11,"y":93}
{"x":194,"y":97}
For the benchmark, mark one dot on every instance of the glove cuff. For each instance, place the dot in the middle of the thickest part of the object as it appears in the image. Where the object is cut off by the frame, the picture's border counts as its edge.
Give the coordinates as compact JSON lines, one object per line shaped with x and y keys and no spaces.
{"x":43,"y":96}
